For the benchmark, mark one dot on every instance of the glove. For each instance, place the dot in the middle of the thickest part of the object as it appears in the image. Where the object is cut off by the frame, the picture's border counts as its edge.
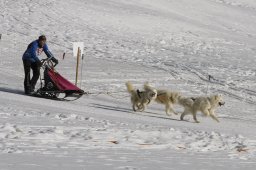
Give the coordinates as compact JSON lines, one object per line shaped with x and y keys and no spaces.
{"x":55,"y":60}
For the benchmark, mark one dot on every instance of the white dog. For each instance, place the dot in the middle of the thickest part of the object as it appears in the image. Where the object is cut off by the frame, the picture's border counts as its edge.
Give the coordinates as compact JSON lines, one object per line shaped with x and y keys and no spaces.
{"x":140,"y":99}
{"x":206,"y":105}
{"x":168,"y":98}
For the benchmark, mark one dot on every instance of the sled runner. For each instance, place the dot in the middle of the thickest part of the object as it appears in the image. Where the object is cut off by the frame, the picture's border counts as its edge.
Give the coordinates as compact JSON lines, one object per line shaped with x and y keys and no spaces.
{"x":54,"y":86}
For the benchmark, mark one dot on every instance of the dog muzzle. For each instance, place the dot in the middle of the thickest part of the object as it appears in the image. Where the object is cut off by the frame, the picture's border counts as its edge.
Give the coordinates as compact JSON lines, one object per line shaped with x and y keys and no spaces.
{"x":221,"y":103}
{"x":153,"y":95}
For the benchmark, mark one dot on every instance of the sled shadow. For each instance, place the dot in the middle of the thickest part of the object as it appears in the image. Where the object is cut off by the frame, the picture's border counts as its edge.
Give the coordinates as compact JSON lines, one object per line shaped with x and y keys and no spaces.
{"x":126,"y":110}
{"x":13,"y":91}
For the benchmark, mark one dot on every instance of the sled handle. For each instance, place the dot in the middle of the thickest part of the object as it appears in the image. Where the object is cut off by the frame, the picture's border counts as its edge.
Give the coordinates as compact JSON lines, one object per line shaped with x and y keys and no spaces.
{"x":49,"y":62}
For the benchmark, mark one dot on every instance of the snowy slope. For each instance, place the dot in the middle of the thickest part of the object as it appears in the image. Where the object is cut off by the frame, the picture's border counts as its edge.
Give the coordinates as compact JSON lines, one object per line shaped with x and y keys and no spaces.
{"x":171,"y":44}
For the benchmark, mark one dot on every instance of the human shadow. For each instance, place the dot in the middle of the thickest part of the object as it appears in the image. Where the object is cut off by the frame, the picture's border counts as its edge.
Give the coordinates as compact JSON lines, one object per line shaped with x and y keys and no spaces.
{"x":13,"y":91}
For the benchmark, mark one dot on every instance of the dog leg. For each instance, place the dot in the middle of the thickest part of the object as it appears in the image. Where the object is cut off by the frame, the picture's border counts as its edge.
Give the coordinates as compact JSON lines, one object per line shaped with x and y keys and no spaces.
{"x":213,"y":116}
{"x":169,"y":110}
{"x":134,"y":108}
{"x":184,"y":114}
{"x":142,"y":107}
{"x":206,"y":112}
{"x":175,"y":113}
{"x":194,"y":117}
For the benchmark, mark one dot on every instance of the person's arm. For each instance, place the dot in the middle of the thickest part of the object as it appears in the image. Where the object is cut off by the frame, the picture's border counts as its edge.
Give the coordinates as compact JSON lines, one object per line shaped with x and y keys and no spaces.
{"x":49,"y":54}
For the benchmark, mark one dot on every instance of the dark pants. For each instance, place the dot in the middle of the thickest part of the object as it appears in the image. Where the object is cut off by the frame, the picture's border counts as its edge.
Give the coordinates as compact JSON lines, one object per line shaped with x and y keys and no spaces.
{"x":29,"y":84}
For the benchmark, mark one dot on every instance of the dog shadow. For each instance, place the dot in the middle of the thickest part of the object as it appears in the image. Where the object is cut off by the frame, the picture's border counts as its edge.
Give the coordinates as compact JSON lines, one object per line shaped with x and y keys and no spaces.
{"x":126,"y":110}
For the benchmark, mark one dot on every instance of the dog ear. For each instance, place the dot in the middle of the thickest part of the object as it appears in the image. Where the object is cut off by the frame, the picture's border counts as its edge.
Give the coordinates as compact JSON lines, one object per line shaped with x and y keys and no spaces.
{"x":216,"y":97}
{"x":147,"y":86}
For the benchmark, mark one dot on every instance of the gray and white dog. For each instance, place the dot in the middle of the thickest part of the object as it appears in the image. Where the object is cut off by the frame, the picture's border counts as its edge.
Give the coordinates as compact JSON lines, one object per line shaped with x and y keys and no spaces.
{"x":140,"y":99}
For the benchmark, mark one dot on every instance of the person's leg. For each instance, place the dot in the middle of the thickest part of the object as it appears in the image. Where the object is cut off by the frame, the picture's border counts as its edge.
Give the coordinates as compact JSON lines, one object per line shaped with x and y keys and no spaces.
{"x":27,"y":66}
{"x":36,"y":74}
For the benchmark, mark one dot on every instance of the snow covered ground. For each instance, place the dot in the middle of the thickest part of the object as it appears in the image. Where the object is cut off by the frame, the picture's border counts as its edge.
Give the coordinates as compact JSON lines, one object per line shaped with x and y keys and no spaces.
{"x":171,"y":44}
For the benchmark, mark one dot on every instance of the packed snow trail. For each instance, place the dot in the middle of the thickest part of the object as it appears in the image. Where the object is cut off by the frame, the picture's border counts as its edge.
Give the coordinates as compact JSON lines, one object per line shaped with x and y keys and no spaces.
{"x":99,"y":128}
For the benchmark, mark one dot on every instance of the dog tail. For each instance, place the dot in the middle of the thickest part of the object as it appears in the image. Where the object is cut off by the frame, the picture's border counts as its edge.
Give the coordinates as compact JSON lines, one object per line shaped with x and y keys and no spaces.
{"x":129,"y":86}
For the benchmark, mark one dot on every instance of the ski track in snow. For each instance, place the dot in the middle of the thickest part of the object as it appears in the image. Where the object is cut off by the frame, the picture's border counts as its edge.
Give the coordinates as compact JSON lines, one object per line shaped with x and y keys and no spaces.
{"x":171,"y":44}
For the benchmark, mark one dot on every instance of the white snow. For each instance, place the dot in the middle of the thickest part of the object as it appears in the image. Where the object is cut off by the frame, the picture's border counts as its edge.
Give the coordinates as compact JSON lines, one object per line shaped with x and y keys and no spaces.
{"x":174,"y":45}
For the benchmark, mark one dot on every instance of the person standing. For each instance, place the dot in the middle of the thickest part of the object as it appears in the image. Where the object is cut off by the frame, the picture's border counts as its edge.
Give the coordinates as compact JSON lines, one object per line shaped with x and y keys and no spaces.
{"x":31,"y":61}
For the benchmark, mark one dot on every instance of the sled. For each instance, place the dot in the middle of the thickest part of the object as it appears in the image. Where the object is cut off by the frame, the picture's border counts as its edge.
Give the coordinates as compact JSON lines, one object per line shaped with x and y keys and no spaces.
{"x":54,"y":86}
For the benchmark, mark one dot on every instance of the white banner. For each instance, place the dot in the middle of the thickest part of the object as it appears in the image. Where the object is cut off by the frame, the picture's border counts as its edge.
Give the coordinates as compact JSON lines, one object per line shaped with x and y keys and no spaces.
{"x":77,"y":45}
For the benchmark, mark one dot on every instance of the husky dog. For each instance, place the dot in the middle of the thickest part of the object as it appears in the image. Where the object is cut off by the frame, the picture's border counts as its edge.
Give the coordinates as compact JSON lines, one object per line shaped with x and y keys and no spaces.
{"x":206,"y":105}
{"x":168,"y":98}
{"x":140,"y":99}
